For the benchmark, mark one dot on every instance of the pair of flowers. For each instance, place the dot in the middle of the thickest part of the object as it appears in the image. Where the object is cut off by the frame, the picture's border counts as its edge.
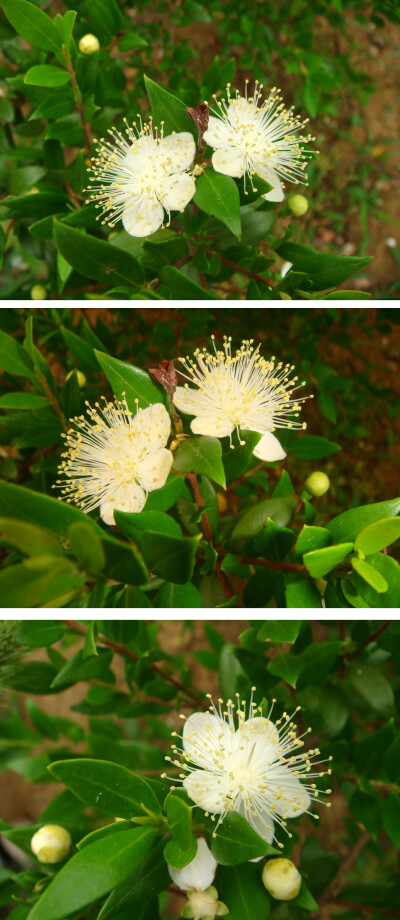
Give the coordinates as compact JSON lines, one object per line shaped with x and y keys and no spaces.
{"x":139,"y":177}
{"x":115,"y":457}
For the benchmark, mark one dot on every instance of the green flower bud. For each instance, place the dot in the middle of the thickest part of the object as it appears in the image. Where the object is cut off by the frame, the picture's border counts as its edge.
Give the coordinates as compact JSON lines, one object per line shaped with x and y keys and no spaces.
{"x":88,"y":44}
{"x":51,"y":843}
{"x":281,"y":879}
{"x":80,"y":377}
{"x":298,"y":205}
{"x":204,"y":905}
{"x":318,"y":483}
{"x":38,"y":292}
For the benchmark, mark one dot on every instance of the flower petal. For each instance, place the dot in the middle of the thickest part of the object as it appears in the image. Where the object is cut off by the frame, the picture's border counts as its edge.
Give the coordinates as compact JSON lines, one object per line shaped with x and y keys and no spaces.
{"x":199,"y":873}
{"x":230,"y":161}
{"x":269,"y":448}
{"x":215,"y":425}
{"x":276,"y":193}
{"x":143,"y":216}
{"x":177,"y":191}
{"x":205,"y":790}
{"x":218,"y":134}
{"x":155,"y":468}
{"x":187,"y":400}
{"x":154,"y":424}
{"x":263,"y":729}
{"x":261,"y":822}
{"x":126,"y":498}
{"x":176,"y":152}
{"x":290,"y":797}
{"x":201,"y":737}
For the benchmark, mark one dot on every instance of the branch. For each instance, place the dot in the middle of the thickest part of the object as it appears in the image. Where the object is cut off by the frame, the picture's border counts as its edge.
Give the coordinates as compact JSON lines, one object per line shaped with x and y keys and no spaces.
{"x":243,"y":271}
{"x":279,"y":566}
{"x":240,"y":479}
{"x":369,"y":639}
{"x":78,"y":101}
{"x":366,"y":907}
{"x":345,"y":867}
{"x":208,"y":533}
{"x":127,"y":653}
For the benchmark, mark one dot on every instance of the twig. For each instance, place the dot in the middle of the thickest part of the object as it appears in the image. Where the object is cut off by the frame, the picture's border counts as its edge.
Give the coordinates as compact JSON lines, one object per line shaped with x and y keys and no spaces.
{"x":78,"y":102}
{"x":240,"y":479}
{"x":52,"y":399}
{"x":279,"y":566}
{"x":243,"y":271}
{"x":369,"y":639}
{"x":128,"y":653}
{"x":344,"y":867}
{"x":208,"y":533}
{"x":368,"y":908}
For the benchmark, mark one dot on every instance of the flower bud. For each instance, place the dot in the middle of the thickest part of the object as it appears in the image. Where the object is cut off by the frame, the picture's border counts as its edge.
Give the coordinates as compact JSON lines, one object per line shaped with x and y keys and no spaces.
{"x":317,"y":483}
{"x":51,"y":843}
{"x":88,"y":44}
{"x":298,"y":205}
{"x":222,"y":502}
{"x":38,"y":292}
{"x":199,"y":873}
{"x":204,"y":905}
{"x":281,"y":879}
{"x":80,"y":377}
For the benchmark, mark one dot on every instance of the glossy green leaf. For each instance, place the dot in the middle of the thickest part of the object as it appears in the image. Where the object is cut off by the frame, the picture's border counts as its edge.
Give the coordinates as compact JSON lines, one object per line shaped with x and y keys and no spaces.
{"x":218,"y":196}
{"x":29,"y":539}
{"x":179,"y":816}
{"x":312,"y":447}
{"x":145,"y":522}
{"x":108,"y":787}
{"x":177,"y":857}
{"x":311,"y":538}
{"x":321,"y":561}
{"x":370,"y":574}
{"x":278,"y":509}
{"x":324,"y":270}
{"x":150,"y":877}
{"x":391,"y":818}
{"x":39,"y":633}
{"x":366,"y":810}
{"x":279,"y":631}
{"x":34,"y":25}
{"x":14,"y":359}
{"x":287,"y":667}
{"x":81,"y":667}
{"x":236,"y":842}
{"x":46,"y":75}
{"x":300,"y":591}
{"x":169,"y":557}
{"x":87,"y":547}
{"x":92,"y":873}
{"x":173,"y":595}
{"x":201,"y":454}
{"x":95,"y":258}
{"x":373,"y":688}
{"x":133,"y":381}
{"x":241,"y":889}
{"x":273,"y":542}
{"x":389,"y":569}
{"x":318,"y":660}
{"x":23,"y":401}
{"x":163,"y":499}
{"x":168,"y":109}
{"x":376,"y":536}
{"x":346,"y":526}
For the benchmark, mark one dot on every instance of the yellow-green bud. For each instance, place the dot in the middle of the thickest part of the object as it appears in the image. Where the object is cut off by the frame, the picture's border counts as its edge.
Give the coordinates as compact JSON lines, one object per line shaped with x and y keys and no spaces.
{"x":51,"y":843}
{"x":281,"y":879}
{"x":88,"y":44}
{"x":298,"y":205}
{"x":204,"y":905}
{"x":318,"y":483}
{"x":38,"y":292}
{"x":80,"y":377}
{"x":284,"y":295}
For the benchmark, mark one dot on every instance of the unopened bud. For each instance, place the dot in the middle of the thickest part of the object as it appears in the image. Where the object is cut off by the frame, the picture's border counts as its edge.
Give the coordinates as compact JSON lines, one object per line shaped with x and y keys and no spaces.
{"x":88,"y":44}
{"x":51,"y":843}
{"x":317,"y":483}
{"x":222,"y":502}
{"x":198,"y":875}
{"x":38,"y":292}
{"x":204,"y":905}
{"x":298,"y":205}
{"x":281,"y":879}
{"x":80,"y":378}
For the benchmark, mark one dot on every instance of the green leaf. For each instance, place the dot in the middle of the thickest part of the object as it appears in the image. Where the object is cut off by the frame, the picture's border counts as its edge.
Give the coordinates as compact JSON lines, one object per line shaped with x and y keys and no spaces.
{"x":324,"y":270}
{"x":80,"y":349}
{"x":321,"y":561}
{"x":34,"y":25}
{"x":181,"y":286}
{"x":95,"y":258}
{"x":133,"y":381}
{"x":218,"y":196}
{"x":145,"y":522}
{"x":46,"y":75}
{"x":312,"y":447}
{"x":87,"y":547}
{"x":237,"y":461}
{"x":31,"y":677}
{"x":38,"y":581}
{"x":287,"y":667}
{"x":241,"y":889}
{"x":373,"y":687}
{"x":392,"y":760}
{"x":305,"y":898}
{"x":169,"y":557}
{"x":366,"y":810}
{"x":389,"y":569}
{"x":178,"y":596}
{"x":376,"y":536}
{"x":39,"y":633}
{"x":146,"y":881}
{"x":92,"y":873}
{"x":311,"y":538}
{"x":391,"y":818}
{"x":201,"y":454}
{"x":279,"y":631}
{"x":168,"y":109}
{"x":278,"y":509}
{"x":178,"y":858}
{"x":23,"y":401}
{"x":346,"y":526}
{"x":300,"y":591}
{"x":80,"y":667}
{"x":108,"y":787}
{"x":163,"y":499}
{"x":179,"y":816}
{"x":14,"y":359}
{"x":273,"y":542}
{"x":28,"y":539}
{"x":236,"y":842}
{"x":370,"y":575}
{"x":318,"y":660}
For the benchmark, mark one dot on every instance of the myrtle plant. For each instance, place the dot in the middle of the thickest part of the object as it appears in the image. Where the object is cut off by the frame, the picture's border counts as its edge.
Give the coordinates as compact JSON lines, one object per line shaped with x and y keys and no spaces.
{"x":188,"y":480}
{"x":196,"y":197}
{"x":278,"y":800}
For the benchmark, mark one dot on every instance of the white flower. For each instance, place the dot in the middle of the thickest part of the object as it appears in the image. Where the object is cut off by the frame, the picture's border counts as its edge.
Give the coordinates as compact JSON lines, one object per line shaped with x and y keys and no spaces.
{"x":241,"y":391}
{"x":116,"y":458}
{"x":251,"y":768}
{"x":137,"y":179}
{"x":199,"y":873}
{"x":258,"y":140}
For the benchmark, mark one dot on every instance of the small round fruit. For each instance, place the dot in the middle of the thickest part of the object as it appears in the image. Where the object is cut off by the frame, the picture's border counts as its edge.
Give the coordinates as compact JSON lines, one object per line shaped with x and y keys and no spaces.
{"x":38,"y":292}
{"x":281,"y":879}
{"x":89,"y":43}
{"x":317,"y":483}
{"x":51,"y":843}
{"x":298,"y":205}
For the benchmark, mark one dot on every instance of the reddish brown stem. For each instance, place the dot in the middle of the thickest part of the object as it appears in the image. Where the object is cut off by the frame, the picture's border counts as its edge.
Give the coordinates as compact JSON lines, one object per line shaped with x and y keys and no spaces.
{"x":367,"y":908}
{"x":208,"y":533}
{"x":242,"y":270}
{"x":128,"y":653}
{"x":240,"y":479}
{"x":369,"y":639}
{"x":329,"y":892}
{"x":279,"y":566}
{"x":78,"y":102}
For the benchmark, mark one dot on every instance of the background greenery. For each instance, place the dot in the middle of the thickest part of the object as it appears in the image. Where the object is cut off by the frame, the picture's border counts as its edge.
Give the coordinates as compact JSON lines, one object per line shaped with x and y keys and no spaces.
{"x":335,"y":60}
{"x":99,"y":699}
{"x":265,"y":540}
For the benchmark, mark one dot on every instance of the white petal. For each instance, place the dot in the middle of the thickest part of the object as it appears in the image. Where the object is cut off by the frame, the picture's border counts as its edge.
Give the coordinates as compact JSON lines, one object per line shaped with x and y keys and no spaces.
{"x":128,"y":498}
{"x":291,"y":798}
{"x":176,"y":152}
{"x":269,"y":448}
{"x":199,"y":873}
{"x":177,"y":191}
{"x":154,"y":424}
{"x":203,"y":788}
{"x":143,"y":216}
{"x":262,"y":730}
{"x":155,"y":469}
{"x":201,"y":733}
{"x":218,"y":134}
{"x":262,"y":823}
{"x":215,"y":425}
{"x":276,"y":193}
{"x":187,"y":400}
{"x":230,"y":161}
